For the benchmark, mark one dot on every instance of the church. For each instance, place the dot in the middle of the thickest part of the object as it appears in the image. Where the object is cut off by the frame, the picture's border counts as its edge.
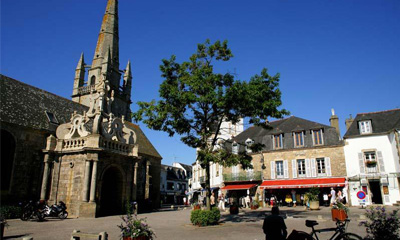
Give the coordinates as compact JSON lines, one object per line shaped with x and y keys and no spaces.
{"x":85,"y":151}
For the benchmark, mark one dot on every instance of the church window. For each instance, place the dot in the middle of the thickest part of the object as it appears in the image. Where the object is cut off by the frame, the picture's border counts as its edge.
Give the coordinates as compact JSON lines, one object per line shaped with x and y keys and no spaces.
{"x":93,"y":80}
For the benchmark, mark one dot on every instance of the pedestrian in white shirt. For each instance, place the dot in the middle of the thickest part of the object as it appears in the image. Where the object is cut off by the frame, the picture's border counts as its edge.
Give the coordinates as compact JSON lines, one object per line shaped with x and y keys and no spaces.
{"x":333,"y":196}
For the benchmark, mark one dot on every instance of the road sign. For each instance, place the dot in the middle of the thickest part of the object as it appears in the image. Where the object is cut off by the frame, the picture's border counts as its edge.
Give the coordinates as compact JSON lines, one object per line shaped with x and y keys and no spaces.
{"x":361,"y":195}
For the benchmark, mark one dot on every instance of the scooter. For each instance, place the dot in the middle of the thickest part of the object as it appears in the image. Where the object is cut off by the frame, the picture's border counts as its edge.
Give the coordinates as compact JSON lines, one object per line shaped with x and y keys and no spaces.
{"x":56,"y":210}
{"x":32,"y":210}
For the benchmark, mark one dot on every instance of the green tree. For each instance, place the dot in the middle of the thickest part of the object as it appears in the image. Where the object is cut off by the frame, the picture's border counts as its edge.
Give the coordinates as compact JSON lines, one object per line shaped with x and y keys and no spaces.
{"x":194,"y":101}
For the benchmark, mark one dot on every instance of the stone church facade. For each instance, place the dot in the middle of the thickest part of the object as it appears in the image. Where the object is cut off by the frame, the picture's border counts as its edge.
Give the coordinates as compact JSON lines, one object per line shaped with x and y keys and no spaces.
{"x":85,"y":152}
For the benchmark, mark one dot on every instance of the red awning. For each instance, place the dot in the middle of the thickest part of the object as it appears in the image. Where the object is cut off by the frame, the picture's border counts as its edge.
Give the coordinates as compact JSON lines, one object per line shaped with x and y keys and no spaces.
{"x":303,"y":183}
{"x":239,"y":187}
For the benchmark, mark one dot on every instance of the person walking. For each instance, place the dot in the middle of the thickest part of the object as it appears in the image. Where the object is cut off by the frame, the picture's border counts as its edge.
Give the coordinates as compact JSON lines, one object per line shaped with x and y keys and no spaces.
{"x":274,"y":226}
{"x":221,"y":202}
{"x":212,"y":200}
{"x":333,"y":196}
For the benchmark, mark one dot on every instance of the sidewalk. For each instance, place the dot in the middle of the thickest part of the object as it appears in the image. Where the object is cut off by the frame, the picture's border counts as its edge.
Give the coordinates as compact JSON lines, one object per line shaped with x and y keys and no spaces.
{"x":175,"y":224}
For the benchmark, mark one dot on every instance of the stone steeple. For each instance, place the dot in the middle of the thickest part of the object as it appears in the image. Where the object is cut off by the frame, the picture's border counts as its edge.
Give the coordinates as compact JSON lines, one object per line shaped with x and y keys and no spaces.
{"x":105,"y":67}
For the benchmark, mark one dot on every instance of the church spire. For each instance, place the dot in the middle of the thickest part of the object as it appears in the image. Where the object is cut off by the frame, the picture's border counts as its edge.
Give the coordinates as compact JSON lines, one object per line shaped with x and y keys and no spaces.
{"x":108,"y":36}
{"x":79,"y":75}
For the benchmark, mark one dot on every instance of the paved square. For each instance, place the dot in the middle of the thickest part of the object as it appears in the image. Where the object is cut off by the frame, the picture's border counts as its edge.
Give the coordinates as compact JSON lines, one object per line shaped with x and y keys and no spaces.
{"x":175,"y":224}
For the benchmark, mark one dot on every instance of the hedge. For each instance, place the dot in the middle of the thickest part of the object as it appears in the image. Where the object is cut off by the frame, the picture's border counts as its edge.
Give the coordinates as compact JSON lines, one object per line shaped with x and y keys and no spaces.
{"x":205,"y":217}
{"x":10,"y":212}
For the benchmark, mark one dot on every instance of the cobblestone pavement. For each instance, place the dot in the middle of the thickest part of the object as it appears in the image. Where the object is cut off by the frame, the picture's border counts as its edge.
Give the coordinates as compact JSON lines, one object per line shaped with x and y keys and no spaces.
{"x":175,"y":224}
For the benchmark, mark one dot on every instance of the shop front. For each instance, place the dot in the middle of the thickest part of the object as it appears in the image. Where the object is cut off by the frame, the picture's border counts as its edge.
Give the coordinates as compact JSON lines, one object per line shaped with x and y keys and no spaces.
{"x":237,"y":193}
{"x":291,"y":192}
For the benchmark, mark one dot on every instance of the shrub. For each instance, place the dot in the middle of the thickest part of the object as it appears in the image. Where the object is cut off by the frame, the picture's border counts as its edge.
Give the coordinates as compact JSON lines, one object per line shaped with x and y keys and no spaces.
{"x":205,"y":217}
{"x":382,"y":225}
{"x":312,"y":194}
{"x":10,"y":212}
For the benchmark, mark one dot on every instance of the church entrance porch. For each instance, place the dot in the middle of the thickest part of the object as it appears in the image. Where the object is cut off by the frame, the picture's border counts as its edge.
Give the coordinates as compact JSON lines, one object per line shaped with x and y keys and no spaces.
{"x":112,"y":195}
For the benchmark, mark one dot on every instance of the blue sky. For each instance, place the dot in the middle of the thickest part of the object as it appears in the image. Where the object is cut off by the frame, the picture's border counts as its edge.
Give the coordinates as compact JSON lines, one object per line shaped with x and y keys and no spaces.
{"x":341,"y":54}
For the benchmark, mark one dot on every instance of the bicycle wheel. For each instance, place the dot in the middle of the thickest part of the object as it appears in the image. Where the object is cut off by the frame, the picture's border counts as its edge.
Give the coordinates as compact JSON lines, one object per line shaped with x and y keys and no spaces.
{"x":348,"y":236}
{"x":299,"y":235}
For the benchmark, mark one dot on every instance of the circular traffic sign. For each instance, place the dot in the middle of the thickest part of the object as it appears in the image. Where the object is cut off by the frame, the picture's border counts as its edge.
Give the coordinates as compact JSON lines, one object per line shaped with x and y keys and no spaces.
{"x":361,"y":195}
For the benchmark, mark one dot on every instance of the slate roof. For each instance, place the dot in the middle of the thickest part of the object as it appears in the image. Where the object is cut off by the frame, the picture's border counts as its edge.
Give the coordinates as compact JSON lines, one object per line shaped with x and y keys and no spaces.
{"x":24,"y":105}
{"x":382,"y":122}
{"x":286,"y":127}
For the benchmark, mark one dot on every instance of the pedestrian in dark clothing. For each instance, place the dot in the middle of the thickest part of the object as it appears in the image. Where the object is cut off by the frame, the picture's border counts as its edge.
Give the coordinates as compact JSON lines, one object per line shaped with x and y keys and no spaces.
{"x":274,"y":226}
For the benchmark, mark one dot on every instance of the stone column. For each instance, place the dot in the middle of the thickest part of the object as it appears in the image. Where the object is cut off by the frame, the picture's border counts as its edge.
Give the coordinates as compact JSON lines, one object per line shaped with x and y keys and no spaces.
{"x":94,"y":182}
{"x":85,"y":191}
{"x":45,"y":177}
{"x":135,"y":181}
{"x":147,"y":189}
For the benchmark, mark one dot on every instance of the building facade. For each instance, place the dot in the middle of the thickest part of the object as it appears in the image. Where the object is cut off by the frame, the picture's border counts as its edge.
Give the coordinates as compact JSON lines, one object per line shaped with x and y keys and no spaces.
{"x":175,"y":183}
{"x":296,"y":154}
{"x":372,"y":157}
{"x":85,"y":152}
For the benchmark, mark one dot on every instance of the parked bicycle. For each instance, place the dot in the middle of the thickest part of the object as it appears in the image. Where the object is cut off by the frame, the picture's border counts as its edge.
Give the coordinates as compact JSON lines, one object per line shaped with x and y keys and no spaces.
{"x":339,"y":232}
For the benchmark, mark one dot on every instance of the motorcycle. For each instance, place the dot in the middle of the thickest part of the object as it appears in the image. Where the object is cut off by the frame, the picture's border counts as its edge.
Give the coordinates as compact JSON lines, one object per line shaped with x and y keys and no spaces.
{"x":56,"y":210}
{"x":32,"y":210}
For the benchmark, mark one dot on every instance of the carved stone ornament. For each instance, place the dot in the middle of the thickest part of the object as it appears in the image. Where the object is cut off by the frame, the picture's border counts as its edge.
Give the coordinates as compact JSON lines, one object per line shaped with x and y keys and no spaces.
{"x":78,"y":128}
{"x":113,"y":129}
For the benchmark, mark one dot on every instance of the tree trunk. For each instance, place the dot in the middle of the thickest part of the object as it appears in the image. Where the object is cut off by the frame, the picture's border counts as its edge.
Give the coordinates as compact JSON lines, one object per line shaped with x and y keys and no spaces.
{"x":208,"y":194}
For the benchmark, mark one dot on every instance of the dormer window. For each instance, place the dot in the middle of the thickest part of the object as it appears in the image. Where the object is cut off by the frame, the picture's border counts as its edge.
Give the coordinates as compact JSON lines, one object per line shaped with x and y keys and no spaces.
{"x":365,"y":127}
{"x":277,"y":141}
{"x":317,"y":137}
{"x":51,"y":117}
{"x":235,"y":148}
{"x":248,"y":143}
{"x":298,"y":139}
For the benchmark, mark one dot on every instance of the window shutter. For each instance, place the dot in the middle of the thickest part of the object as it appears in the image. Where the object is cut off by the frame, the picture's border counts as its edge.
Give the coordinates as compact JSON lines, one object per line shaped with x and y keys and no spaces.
{"x":308,"y":169}
{"x":313,"y":169}
{"x":328,"y":166}
{"x":285,"y":169}
{"x":272,"y":170}
{"x":380,"y":161}
{"x":361,"y":163}
{"x":294,"y":168}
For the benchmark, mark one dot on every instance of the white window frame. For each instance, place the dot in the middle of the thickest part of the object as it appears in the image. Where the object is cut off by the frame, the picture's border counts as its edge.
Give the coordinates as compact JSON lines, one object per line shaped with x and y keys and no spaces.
{"x":322,"y":137}
{"x":280,"y":141}
{"x":321,"y":165}
{"x":301,"y":140}
{"x":235,"y":148}
{"x":365,"y":127}
{"x":279,"y":170}
{"x":301,"y":167}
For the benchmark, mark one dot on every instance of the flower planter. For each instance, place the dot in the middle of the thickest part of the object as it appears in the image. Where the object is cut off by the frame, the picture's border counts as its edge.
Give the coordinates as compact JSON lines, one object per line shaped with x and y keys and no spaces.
{"x":339,"y":214}
{"x":371,"y":163}
{"x":196,"y":207}
{"x":233,"y":210}
{"x":254,"y":207}
{"x":314,"y":205}
{"x":136,"y":238}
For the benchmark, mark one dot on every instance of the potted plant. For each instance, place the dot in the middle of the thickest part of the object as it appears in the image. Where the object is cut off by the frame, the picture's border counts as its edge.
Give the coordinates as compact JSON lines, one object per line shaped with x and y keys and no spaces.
{"x":133,"y":228}
{"x":196,"y":206}
{"x":254,"y":205}
{"x":234,"y":208}
{"x":339,"y":211}
{"x":313,"y":198}
{"x":3,"y":224}
{"x":371,"y":163}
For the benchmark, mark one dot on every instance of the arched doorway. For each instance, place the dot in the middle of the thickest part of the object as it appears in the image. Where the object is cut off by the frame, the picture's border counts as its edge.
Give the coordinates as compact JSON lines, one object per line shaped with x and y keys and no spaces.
{"x":111,"y":201}
{"x":7,"y":159}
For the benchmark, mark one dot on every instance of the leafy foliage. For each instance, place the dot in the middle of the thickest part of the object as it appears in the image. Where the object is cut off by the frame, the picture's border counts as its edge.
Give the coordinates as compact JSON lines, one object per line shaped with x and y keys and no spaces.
{"x":135,"y":227}
{"x":205,"y":217}
{"x":10,"y":212}
{"x":194,"y":101}
{"x":312,"y":194}
{"x":382,"y":225}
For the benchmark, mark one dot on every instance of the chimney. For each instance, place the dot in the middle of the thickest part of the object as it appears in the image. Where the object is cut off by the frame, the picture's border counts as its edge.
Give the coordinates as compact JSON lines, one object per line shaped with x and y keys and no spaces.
{"x":334,"y":120}
{"x":349,"y":121}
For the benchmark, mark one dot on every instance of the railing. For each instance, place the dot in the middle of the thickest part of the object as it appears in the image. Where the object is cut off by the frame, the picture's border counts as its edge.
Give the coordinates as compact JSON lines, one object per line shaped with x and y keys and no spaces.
{"x":74,"y":143}
{"x":114,"y":146}
{"x":202,"y":179}
{"x":373,"y":169}
{"x":244,"y":176}
{"x":86,"y":89}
